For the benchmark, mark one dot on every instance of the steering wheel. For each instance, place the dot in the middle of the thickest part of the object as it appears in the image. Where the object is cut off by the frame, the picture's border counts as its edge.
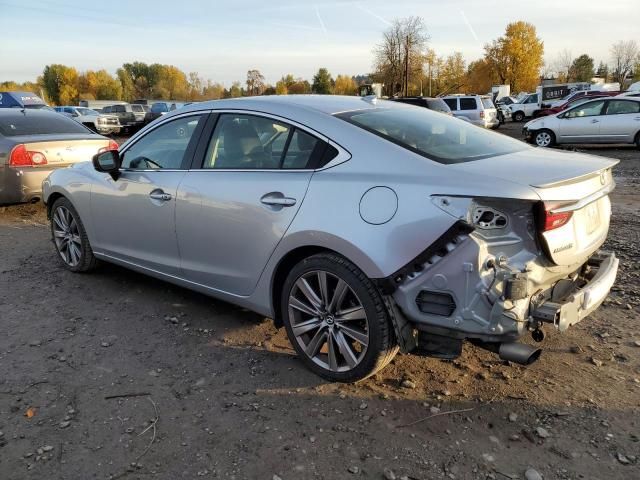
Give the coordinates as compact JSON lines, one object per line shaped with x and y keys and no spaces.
{"x":143,"y":162}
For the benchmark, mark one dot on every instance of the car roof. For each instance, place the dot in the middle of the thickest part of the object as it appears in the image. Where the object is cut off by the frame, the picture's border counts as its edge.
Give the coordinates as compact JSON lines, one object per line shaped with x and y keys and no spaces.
{"x":329,"y":104}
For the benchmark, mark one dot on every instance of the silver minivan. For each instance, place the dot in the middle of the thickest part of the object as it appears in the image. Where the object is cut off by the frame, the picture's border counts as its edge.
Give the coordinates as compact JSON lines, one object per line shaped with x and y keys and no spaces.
{"x":477,"y":109}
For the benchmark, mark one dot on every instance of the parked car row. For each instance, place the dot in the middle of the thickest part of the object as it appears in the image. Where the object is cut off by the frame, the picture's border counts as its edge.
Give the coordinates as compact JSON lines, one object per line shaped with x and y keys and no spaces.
{"x":98,"y":122}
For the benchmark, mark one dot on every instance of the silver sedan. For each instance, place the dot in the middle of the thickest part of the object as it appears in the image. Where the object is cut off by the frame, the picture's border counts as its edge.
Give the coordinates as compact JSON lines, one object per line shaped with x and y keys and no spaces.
{"x":363,"y":227}
{"x":603,"y":120}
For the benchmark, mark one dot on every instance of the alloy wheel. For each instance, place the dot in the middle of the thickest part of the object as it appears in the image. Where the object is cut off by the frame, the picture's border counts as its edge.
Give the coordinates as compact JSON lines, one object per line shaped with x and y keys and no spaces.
{"x":328,"y":321}
{"x":543,"y":139}
{"x":66,"y":236}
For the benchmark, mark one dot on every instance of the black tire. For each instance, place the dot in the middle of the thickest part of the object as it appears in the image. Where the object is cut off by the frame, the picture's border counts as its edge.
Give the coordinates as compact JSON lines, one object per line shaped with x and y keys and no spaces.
{"x":381,"y":346}
{"x":543,"y":138}
{"x":638,"y":140}
{"x":518,"y":116}
{"x":77,"y":256}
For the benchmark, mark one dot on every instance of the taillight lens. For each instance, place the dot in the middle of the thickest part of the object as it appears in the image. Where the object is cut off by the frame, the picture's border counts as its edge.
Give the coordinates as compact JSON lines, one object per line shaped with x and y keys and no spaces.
{"x":481,"y":113}
{"x":21,"y":157}
{"x":113,"y":145}
{"x":551,"y":221}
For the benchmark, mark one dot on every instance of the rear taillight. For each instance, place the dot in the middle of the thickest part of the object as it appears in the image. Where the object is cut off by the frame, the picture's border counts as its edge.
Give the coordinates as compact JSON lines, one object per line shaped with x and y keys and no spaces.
{"x":552,"y":220}
{"x":21,"y":157}
{"x":113,"y":145}
{"x":481,"y":113}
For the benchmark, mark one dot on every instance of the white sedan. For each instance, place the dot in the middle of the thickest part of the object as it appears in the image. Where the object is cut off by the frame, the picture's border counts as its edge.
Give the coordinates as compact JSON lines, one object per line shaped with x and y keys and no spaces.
{"x":602,"y":120}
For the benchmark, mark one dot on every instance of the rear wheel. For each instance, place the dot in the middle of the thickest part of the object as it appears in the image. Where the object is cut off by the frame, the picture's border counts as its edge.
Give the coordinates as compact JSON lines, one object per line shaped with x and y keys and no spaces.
{"x":336,"y":319}
{"x":70,"y":237}
{"x":544,"y":138}
{"x":518,"y":116}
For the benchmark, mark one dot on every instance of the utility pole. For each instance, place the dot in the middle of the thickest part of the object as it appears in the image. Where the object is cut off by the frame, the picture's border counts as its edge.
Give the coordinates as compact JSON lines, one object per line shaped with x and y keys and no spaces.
{"x":406,"y":67}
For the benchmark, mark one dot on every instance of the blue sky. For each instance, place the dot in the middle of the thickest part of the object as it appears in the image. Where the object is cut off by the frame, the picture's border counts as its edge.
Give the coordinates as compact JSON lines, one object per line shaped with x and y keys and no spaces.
{"x":223,"y":39}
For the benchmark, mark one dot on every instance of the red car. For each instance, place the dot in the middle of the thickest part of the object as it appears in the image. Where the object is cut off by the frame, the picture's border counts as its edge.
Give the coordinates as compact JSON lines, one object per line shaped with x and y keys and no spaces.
{"x":571,"y":102}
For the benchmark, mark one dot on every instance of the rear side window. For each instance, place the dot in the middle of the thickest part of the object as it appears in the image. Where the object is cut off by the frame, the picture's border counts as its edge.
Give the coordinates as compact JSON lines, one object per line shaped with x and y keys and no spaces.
{"x":301,"y":149}
{"x":106,"y":110}
{"x":452,"y":102}
{"x":468,"y":104}
{"x":25,"y":124}
{"x":619,"y":107}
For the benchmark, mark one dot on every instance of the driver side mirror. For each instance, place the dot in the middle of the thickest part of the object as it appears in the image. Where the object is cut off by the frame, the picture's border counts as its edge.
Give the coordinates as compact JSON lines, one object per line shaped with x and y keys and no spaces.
{"x":108,"y":162}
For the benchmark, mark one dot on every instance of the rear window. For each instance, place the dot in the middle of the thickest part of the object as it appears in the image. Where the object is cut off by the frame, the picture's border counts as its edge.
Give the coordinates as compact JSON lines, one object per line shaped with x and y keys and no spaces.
{"x":487,"y":103}
{"x":25,"y":124}
{"x":468,"y":104}
{"x":137,"y":108}
{"x":438,"y":137}
{"x":118,"y":109}
{"x":159,"y":108}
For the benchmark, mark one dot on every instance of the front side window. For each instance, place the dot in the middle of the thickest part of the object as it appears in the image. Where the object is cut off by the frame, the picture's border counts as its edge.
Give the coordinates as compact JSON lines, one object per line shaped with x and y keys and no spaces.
{"x":87,"y":111}
{"x":163,"y":147}
{"x":247,"y":142}
{"x":588,"y":109}
{"x":620,"y":107}
{"x":532,"y":99}
{"x":438,"y":137}
{"x":118,"y":109}
{"x":468,"y":104}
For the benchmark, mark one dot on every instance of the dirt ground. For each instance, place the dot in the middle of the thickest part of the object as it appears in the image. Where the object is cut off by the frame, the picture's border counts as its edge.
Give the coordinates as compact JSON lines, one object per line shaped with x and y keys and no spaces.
{"x":210,"y":390}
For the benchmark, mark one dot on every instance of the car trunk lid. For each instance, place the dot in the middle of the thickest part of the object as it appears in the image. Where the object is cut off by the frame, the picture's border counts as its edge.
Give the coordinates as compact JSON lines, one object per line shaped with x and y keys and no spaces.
{"x":571,"y":186}
{"x":63,"y":150}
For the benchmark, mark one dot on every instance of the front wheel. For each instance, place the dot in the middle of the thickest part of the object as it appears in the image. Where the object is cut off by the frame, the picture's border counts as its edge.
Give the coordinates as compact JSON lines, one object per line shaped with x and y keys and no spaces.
{"x":70,"y":237}
{"x":518,"y":116}
{"x":336,"y":319}
{"x":544,"y":138}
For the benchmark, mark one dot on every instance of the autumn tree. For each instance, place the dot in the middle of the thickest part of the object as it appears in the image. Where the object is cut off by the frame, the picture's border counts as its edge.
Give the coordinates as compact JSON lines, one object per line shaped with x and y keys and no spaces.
{"x":344,"y":85}
{"x":452,"y":73}
{"x":624,"y":56}
{"x":399,"y":57}
{"x":480,"y":77}
{"x":212,"y":91}
{"x":299,"y":87}
{"x":322,"y":82}
{"x":582,"y":69}
{"x":282,"y":85}
{"x":255,"y":82}
{"x":235,"y":91}
{"x":99,"y":85}
{"x":517,"y":56}
{"x":61,"y":84}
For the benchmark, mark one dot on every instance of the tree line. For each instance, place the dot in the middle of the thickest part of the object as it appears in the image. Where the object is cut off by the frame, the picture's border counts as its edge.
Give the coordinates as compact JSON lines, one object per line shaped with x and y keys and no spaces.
{"x":64,"y":85}
{"x":406,"y":65}
{"x":403,"y":62}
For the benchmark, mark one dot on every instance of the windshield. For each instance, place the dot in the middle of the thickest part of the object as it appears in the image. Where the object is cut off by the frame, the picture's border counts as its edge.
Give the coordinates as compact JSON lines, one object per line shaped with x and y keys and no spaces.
{"x":438,"y":137}
{"x":438,"y":105}
{"x":159,"y":108}
{"x":25,"y":124}
{"x":86,"y":111}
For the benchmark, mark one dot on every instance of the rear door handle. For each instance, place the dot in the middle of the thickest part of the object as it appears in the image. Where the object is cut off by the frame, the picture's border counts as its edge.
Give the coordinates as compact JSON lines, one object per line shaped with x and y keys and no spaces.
{"x":160,"y":195}
{"x":637,"y":118}
{"x":277,"y":199}
{"x":595,"y":120}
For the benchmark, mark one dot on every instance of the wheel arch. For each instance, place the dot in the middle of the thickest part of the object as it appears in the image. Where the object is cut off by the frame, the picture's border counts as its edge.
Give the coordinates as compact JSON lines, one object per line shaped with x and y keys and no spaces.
{"x":297,"y":253}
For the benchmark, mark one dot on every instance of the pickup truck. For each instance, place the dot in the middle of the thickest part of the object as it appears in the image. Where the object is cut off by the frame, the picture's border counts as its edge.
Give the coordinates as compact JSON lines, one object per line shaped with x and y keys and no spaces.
{"x":103,"y":124}
{"x":130,"y":118}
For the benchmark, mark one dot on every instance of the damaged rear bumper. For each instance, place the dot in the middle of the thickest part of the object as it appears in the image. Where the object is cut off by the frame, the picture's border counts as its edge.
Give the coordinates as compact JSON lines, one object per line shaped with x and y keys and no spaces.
{"x":582,"y":301}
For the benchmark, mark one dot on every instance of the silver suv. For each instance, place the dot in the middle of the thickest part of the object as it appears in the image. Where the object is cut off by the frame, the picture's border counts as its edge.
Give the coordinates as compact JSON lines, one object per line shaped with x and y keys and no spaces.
{"x":477,"y":109}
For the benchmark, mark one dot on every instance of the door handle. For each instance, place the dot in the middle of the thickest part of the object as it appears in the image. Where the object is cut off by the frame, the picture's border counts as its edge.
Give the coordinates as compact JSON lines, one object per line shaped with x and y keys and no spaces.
{"x":277,"y":199}
{"x":637,"y":118}
{"x":595,"y":120}
{"x":160,"y":195}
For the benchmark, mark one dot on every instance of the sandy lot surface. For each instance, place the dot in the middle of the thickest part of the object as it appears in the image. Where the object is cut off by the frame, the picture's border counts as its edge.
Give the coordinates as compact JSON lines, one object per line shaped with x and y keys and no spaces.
{"x":116,"y":375}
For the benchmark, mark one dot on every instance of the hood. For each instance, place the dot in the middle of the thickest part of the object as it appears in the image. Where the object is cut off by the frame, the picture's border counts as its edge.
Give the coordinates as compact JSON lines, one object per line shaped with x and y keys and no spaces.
{"x":540,"y":168}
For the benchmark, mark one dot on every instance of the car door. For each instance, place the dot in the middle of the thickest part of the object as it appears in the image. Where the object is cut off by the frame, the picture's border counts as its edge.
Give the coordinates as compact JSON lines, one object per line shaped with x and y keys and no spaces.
{"x":531,"y":105}
{"x":134,"y":215}
{"x":581,"y":124}
{"x":620,"y":122}
{"x":236,"y":205}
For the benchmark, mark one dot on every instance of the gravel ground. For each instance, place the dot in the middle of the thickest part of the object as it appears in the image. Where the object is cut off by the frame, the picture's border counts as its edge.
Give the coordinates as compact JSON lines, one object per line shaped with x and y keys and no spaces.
{"x":205,"y":389}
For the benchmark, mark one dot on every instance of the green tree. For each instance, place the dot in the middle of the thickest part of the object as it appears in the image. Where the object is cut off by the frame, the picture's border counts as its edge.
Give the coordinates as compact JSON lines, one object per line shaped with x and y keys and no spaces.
{"x":322,"y":82}
{"x":236,"y":90}
{"x":517,"y":56}
{"x":582,"y":69}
